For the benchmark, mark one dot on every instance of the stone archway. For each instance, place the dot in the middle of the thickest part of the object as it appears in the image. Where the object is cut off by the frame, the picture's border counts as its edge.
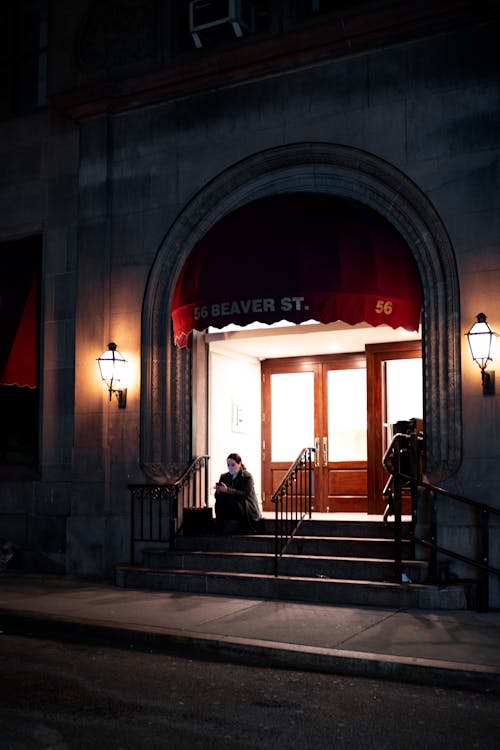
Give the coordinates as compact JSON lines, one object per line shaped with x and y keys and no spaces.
{"x":306,"y":167}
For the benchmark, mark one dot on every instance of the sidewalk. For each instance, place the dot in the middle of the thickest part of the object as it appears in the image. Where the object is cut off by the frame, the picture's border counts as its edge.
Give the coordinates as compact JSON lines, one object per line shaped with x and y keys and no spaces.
{"x":449,"y":649}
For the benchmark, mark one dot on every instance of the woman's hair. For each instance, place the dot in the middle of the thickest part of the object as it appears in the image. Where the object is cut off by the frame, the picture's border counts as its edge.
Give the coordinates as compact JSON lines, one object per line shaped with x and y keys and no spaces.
{"x":236,"y":457}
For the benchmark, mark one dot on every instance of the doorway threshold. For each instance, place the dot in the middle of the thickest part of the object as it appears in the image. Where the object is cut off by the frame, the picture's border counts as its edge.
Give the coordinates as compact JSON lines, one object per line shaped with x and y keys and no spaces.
{"x":342,"y":517}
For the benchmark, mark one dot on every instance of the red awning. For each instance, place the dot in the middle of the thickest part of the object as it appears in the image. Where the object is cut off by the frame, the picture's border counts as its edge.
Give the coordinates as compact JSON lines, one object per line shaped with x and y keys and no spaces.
{"x":298,"y":257}
{"x":20,"y":368}
{"x":18,"y":311}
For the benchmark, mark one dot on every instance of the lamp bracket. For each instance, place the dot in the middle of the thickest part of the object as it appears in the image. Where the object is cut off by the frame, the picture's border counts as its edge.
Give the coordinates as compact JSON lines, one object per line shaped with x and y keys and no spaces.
{"x":488,"y":380}
{"x":121,"y":396}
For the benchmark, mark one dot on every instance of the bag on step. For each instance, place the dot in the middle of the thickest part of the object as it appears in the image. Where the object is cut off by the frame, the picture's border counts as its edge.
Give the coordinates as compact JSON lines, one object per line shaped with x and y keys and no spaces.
{"x":197,"y":521}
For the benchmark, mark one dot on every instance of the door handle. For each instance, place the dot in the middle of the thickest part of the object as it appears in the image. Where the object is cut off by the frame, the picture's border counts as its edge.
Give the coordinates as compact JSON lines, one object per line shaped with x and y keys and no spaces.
{"x":325,"y":451}
{"x":316,"y":453}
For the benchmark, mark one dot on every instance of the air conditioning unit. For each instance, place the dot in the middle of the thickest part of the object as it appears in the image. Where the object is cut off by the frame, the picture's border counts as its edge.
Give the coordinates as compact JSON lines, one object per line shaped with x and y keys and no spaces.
{"x":209,"y":15}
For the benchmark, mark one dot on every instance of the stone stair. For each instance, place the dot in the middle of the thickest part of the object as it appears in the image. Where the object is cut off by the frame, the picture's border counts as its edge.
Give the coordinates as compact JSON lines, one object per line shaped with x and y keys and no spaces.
{"x":329,"y":561}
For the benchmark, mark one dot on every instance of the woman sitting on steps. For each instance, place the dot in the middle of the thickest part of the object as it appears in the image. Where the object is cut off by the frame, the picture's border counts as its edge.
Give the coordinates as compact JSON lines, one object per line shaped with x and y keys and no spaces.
{"x":236,"y":505}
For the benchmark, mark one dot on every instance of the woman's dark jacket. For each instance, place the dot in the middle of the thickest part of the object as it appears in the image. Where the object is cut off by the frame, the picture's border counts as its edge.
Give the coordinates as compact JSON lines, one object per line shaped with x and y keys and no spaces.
{"x":242,"y":488}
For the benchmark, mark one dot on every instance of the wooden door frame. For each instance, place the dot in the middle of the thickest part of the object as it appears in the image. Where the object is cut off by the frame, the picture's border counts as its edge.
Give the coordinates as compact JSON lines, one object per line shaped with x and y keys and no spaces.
{"x":376,"y":354}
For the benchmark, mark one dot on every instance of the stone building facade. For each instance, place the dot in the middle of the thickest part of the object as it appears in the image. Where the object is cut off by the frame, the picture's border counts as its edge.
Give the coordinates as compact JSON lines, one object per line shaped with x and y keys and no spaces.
{"x":135,"y":141}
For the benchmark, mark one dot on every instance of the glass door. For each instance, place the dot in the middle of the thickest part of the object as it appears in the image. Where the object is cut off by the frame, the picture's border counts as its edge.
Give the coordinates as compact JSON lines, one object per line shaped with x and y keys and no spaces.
{"x":292,"y":414}
{"x":318,"y":403}
{"x":345,"y":470}
{"x":289,"y":420}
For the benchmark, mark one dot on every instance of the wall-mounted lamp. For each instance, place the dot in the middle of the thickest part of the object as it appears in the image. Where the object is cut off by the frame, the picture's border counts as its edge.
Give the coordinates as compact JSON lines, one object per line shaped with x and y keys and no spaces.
{"x":112,"y":369}
{"x":481,"y":339}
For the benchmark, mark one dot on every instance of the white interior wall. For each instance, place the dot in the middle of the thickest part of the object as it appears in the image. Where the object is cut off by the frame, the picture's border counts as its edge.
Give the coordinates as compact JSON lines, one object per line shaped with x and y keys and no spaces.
{"x":234,"y":414}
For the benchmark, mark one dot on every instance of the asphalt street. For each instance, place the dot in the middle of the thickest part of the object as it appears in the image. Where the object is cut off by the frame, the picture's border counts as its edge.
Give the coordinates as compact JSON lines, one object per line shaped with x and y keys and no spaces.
{"x":61,"y":696}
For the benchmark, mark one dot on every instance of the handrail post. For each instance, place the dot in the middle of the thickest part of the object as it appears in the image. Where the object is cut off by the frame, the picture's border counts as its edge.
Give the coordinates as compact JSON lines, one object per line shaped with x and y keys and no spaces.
{"x":484,"y":595}
{"x":173,"y":516}
{"x":276,"y":535}
{"x":433,"y":567}
{"x":132,"y":527}
{"x":398,"y":557}
{"x":398,"y":535}
{"x":205,"y":469}
{"x":293,"y":496}
{"x":310,"y":480}
{"x":404,"y":461}
{"x":150,"y":514}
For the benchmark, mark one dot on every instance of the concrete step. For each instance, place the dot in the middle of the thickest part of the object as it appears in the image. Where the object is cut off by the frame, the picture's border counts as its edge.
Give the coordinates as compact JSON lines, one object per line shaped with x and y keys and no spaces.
{"x":300,"y":545}
{"x":347,"y":528}
{"x":342,"y":546}
{"x":303,"y":566}
{"x":337,"y":562}
{"x":263,"y":543}
{"x":291,"y":588}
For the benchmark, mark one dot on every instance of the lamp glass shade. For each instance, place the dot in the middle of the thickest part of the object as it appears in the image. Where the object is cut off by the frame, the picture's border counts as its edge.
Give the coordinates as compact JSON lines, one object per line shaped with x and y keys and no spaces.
{"x":481,"y":338}
{"x":111,"y":365}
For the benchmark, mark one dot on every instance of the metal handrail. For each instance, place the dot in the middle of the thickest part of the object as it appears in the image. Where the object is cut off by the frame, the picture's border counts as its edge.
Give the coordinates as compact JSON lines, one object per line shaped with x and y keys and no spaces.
{"x":432,"y":492}
{"x":293,"y":501}
{"x":157,"y":510}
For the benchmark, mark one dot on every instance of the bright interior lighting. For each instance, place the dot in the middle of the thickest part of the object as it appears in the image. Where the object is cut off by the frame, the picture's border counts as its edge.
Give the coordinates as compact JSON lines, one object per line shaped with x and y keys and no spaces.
{"x":256,"y":326}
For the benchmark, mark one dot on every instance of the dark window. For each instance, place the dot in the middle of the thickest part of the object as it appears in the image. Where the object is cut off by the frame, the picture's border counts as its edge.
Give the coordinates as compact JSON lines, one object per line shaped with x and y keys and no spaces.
{"x":28,"y":56}
{"x":19,"y":352}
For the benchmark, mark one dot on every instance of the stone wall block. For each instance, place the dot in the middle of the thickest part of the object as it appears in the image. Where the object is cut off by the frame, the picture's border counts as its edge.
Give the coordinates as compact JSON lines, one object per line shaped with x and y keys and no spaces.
{"x":88,"y":428}
{"x":14,"y":529}
{"x":454,"y":122}
{"x":85,"y":544}
{"x":93,"y":175}
{"x":384,"y":131}
{"x":117,"y":543}
{"x":62,"y":200}
{"x":390,"y":76}
{"x":64,"y":296}
{"x":60,"y":250}
{"x":476,"y":238}
{"x":61,"y":153}
{"x":22,"y":205}
{"x":20,"y":165}
{"x":47,"y":533}
{"x":448,"y":62}
{"x":92,"y":201}
{"x":128,"y":238}
{"x":59,"y":392}
{"x":53,"y":499}
{"x":15,"y":497}
{"x":458,"y":184}
{"x":59,"y":344}
{"x":478,"y":479}
{"x":143,"y":184}
{"x":88,"y":497}
{"x":120,"y":500}
{"x":89,"y":464}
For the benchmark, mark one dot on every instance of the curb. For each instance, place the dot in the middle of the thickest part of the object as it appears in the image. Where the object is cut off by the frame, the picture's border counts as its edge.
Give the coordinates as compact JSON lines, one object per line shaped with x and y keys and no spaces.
{"x":254,"y":652}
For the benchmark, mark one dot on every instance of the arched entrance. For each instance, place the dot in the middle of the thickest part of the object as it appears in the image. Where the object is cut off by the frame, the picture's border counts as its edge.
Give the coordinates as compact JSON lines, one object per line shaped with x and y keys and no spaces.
{"x":292,"y":258}
{"x":166,"y":398}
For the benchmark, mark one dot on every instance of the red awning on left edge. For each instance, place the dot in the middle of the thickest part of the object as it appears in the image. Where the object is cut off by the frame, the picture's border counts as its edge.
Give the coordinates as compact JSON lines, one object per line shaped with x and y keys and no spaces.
{"x":298,"y":257}
{"x":19,"y":355}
